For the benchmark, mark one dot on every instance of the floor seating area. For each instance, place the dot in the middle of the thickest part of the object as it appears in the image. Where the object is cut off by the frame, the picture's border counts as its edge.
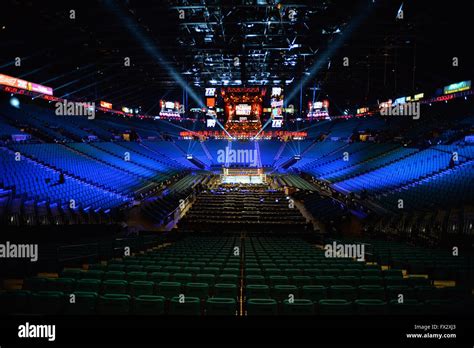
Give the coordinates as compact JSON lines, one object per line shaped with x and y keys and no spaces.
{"x":235,"y":275}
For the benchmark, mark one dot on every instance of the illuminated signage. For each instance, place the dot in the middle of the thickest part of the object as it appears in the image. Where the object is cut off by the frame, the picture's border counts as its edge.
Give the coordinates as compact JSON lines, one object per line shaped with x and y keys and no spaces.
{"x":105,"y":104}
{"x":211,"y":102}
{"x":211,"y":123}
{"x":30,"y":86}
{"x":243,"y":109}
{"x":210,"y":92}
{"x":276,"y":91}
{"x":457,"y":87}
{"x":362,"y":110}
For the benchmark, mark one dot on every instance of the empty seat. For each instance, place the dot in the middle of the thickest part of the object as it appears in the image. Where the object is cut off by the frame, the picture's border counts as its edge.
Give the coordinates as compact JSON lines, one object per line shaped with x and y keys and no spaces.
{"x":148,"y":305}
{"x":394,"y":291}
{"x":228,"y":279}
{"x":260,"y":306}
{"x":15,"y":302}
{"x":93,"y":274}
{"x":169,"y":289}
{"x":185,"y":306}
{"x":158,"y":277}
{"x":335,"y":307}
{"x":116,"y":275}
{"x":221,"y":306}
{"x":116,"y":267}
{"x":206,"y":278}
{"x":302,"y":280}
{"x":132,"y":276}
{"x":114,"y":286}
{"x":199,"y":290}
{"x":182,"y":278}
{"x":298,"y":307}
{"x":257,"y":291}
{"x":314,"y":292}
{"x":88,"y":285}
{"x":282,"y":292}
{"x":278,"y":280}
{"x":114,"y":304}
{"x":371,"y":292}
{"x":66,"y":285}
{"x":134,"y":268}
{"x":325,"y":280}
{"x":345,"y":292}
{"x":75,"y":273}
{"x":254,"y":279}
{"x":140,"y":287}
{"x":225,"y":290}
{"x":84,"y":303}
{"x":370,"y":307}
{"x":47,"y":302}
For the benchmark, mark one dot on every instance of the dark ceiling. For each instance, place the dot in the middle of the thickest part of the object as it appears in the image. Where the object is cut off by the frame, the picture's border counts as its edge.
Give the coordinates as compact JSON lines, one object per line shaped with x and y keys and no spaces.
{"x":248,"y":42}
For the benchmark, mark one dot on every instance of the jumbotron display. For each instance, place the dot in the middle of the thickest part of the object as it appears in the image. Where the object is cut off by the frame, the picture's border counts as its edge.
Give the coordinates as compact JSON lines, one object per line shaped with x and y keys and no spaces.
{"x":243,"y":109}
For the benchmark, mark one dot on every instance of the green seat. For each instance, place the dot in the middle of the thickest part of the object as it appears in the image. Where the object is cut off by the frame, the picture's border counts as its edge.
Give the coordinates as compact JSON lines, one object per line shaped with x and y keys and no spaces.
{"x":253,"y":271}
{"x":133,"y":276}
{"x":393,"y":291}
{"x":115,"y":275}
{"x":231,"y":270}
{"x":152,"y":268}
{"x":211,"y":270}
{"x":393,"y":273}
{"x":331,"y":272}
{"x":221,"y":306}
{"x":335,"y":307}
{"x":141,"y":287}
{"x":190,"y":306}
{"x":228,"y":279}
{"x":84,"y":303}
{"x":278,"y":280}
{"x":283,"y":292}
{"x":370,"y":307}
{"x":169,"y":289}
{"x":371,"y":280}
{"x":114,"y":286}
{"x":372,"y":272}
{"x":314,"y":292}
{"x":172,"y":269}
{"x":261,"y":306}
{"x":298,"y":307}
{"x":345,"y":292}
{"x":47,"y":302}
{"x":115,"y":268}
{"x":347,"y":280}
{"x":271,"y":272}
{"x":396,"y":281}
{"x":158,"y":277}
{"x":97,"y":267}
{"x":134,"y":268}
{"x":66,"y":285}
{"x":148,"y":305}
{"x":326,"y":281}
{"x":371,"y":292}
{"x":408,"y":307}
{"x":75,"y":273}
{"x":290,"y":272}
{"x":192,"y":270}
{"x":300,"y":280}
{"x":254,"y":279}
{"x":182,"y":278}
{"x":353,"y":272}
{"x":257,"y":291}
{"x":206,"y":278}
{"x":200,"y":290}
{"x":313,"y":272}
{"x":93,"y":274}
{"x":114,"y":304}
{"x":225,"y":290}
{"x":15,"y":302}
{"x":88,"y":285}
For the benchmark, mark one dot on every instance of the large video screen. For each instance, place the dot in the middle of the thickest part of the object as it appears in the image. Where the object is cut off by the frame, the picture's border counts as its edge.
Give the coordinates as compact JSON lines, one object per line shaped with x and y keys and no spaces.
{"x":243,"y":109}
